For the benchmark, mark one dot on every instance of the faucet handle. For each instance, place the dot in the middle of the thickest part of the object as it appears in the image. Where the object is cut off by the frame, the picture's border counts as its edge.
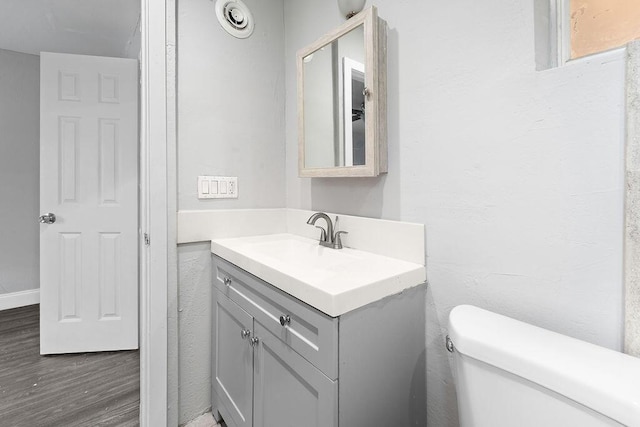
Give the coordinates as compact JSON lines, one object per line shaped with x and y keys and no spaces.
{"x":323,"y":234}
{"x":337,"y":242}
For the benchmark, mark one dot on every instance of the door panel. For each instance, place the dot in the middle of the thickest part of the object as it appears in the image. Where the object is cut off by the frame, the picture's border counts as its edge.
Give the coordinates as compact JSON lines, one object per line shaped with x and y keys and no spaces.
{"x":233,"y":367}
{"x":290,"y":391}
{"x":89,"y":180}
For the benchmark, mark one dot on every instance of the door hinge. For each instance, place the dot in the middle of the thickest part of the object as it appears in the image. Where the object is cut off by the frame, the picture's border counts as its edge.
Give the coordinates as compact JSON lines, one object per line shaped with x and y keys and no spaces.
{"x":147,"y":240}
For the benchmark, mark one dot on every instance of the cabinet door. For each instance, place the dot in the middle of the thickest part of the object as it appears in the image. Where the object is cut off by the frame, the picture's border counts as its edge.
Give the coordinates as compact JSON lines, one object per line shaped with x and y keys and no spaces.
{"x":290,"y":391}
{"x":233,"y":363}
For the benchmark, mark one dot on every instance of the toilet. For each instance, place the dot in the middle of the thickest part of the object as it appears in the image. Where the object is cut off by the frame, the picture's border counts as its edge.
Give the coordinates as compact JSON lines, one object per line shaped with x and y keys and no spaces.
{"x":512,"y":374}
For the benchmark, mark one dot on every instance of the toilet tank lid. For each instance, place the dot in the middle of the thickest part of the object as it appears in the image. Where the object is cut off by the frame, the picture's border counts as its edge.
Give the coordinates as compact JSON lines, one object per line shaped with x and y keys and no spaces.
{"x":601,"y":379}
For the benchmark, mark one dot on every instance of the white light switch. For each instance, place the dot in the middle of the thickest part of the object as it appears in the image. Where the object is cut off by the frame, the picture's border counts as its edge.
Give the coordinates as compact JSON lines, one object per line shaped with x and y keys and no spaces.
{"x":217,"y":187}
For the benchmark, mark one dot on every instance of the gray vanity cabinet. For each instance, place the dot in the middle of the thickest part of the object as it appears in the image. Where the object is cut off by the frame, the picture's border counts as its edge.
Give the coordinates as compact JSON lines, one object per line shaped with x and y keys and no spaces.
{"x":259,"y":379}
{"x":276,"y":359}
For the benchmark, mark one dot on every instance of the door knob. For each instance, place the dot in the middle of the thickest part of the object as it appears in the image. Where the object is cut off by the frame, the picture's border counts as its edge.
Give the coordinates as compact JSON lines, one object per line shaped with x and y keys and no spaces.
{"x":254,"y":341}
{"x":48,"y":218}
{"x":245,"y":333}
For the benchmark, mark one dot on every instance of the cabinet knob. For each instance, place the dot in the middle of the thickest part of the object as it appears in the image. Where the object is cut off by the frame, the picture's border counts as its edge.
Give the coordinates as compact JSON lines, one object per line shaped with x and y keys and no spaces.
{"x":245,"y":333}
{"x":254,"y":341}
{"x":285,"y":319}
{"x":227,"y":281}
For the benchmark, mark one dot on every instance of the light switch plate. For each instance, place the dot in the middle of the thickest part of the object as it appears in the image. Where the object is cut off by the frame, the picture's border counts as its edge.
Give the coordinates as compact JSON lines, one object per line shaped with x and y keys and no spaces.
{"x":217,"y":187}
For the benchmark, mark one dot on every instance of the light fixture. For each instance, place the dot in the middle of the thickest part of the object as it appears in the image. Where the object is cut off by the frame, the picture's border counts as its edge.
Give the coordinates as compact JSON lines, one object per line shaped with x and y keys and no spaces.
{"x":350,"y":8}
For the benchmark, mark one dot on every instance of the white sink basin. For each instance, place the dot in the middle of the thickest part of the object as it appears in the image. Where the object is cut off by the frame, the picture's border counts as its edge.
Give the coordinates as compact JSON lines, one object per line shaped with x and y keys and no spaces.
{"x":334,"y":281}
{"x":305,"y":253}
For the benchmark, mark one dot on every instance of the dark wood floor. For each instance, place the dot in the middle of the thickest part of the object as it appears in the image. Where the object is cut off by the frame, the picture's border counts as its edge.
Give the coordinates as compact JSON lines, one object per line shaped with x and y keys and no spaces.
{"x":80,"y":390}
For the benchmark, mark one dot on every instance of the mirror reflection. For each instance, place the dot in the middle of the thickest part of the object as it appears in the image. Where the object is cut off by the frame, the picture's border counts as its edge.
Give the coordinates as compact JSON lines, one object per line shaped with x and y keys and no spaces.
{"x":334,"y":103}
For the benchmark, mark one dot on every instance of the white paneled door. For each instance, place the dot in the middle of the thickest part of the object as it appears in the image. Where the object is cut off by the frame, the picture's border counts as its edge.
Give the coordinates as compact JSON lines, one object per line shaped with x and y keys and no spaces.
{"x":89,"y":182}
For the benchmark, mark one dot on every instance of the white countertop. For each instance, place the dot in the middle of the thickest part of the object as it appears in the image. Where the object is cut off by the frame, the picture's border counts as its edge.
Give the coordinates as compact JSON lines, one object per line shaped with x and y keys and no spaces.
{"x":333,"y":281}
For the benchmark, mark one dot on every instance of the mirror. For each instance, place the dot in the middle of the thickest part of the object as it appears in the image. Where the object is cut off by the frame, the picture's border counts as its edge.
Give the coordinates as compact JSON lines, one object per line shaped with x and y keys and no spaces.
{"x":342,"y":100}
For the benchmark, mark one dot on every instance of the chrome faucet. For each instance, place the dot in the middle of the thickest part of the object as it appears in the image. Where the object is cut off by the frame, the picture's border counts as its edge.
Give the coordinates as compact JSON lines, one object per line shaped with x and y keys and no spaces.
{"x":328,"y":237}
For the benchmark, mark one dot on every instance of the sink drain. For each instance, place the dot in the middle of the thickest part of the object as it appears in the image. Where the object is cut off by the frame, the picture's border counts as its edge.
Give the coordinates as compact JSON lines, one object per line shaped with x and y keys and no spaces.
{"x":235,"y":17}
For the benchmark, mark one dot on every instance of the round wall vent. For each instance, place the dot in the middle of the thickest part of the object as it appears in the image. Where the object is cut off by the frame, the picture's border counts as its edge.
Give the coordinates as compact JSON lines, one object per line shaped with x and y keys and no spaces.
{"x":235,"y":17}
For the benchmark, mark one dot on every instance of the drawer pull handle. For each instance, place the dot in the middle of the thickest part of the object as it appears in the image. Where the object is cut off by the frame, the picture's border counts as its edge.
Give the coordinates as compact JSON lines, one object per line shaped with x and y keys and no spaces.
{"x":227,"y":281}
{"x":254,"y":341}
{"x":285,"y":320}
{"x":245,"y":333}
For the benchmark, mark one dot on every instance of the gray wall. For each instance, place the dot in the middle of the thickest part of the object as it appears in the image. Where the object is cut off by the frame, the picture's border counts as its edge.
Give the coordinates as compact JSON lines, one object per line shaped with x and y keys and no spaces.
{"x":517,"y":174}
{"x":230,"y":122}
{"x":194,"y":330}
{"x":231,"y":105}
{"x":19,"y":171}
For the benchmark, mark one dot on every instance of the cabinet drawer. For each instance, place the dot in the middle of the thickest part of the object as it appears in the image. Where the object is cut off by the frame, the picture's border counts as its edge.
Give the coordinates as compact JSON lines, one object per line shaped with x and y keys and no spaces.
{"x":311,"y":333}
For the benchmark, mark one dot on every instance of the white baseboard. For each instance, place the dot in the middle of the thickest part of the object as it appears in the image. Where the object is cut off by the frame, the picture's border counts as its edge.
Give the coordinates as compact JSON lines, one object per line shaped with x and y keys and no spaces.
{"x":19,"y":299}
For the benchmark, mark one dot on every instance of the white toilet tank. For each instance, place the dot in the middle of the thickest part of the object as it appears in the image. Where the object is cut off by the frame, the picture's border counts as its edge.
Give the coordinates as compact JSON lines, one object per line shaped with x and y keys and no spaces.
{"x":512,"y":374}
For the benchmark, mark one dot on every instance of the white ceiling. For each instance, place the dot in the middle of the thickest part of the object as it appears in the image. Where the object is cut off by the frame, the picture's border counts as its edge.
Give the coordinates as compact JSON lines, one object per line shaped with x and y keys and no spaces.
{"x":87,"y":27}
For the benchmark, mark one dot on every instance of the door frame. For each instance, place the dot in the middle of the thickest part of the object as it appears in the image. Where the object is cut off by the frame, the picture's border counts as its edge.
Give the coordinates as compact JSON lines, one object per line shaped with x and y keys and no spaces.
{"x":157,"y":203}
